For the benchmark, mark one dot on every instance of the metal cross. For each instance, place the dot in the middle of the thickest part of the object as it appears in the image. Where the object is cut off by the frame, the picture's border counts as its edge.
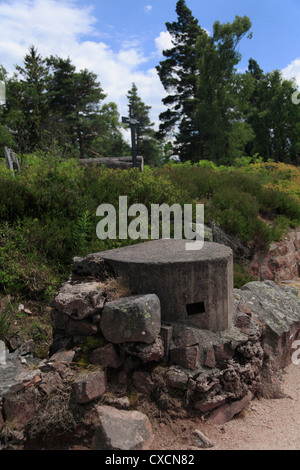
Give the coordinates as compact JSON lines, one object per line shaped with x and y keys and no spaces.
{"x":133,"y":124}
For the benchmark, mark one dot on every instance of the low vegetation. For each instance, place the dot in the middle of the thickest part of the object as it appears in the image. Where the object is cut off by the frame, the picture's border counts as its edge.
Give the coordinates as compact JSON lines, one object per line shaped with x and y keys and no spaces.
{"x":48,"y":212}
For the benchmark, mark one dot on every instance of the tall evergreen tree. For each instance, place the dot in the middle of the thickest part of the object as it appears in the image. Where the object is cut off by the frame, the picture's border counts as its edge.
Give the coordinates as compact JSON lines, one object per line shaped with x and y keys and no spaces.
{"x":222,"y":93}
{"x":147,"y":144}
{"x":274,"y":117}
{"x":178,"y":74}
{"x":26,"y":101}
{"x":74,"y":101}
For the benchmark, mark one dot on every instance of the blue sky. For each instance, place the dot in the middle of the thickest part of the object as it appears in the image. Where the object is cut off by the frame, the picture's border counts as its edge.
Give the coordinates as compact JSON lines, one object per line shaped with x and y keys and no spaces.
{"x":122,"y":40}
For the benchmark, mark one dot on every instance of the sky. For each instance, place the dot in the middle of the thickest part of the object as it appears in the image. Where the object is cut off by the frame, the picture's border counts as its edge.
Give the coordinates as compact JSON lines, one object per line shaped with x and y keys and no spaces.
{"x":122,"y":40}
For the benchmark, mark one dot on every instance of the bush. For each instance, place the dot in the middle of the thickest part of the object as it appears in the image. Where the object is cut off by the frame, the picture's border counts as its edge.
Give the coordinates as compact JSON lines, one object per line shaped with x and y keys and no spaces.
{"x":48,"y":212}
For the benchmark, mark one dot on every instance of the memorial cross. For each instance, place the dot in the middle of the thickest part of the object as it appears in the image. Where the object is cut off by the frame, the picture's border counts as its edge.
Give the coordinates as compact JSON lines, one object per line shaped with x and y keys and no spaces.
{"x":133,"y":122}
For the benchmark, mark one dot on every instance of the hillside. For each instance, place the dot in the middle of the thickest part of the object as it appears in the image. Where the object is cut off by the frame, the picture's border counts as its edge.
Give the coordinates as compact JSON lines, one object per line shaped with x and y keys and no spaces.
{"x":48,"y":216}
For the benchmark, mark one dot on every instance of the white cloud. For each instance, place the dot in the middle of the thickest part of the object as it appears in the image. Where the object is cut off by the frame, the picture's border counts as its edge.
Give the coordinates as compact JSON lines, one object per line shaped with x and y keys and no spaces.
{"x":148,"y":8}
{"x":163,"y":41}
{"x":292,"y":71}
{"x":60,"y":27}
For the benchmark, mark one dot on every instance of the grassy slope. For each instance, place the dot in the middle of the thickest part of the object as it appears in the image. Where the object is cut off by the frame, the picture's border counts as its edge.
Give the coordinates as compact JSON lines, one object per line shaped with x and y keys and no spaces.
{"x":48,"y":216}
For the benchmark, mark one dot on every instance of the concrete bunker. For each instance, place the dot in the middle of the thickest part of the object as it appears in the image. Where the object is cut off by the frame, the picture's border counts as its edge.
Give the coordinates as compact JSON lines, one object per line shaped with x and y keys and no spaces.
{"x":194,"y":287}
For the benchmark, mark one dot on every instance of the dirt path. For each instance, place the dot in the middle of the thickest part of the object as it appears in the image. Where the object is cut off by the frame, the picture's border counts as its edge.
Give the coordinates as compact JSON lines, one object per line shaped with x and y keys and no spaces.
{"x":264,"y":425}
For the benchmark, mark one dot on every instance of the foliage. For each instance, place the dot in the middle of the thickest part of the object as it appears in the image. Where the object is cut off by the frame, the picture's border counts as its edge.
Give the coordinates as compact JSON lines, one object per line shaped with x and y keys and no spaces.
{"x":241,"y":275}
{"x":48,"y":216}
{"x":245,"y":201}
{"x":48,"y":212}
{"x":216,"y":112}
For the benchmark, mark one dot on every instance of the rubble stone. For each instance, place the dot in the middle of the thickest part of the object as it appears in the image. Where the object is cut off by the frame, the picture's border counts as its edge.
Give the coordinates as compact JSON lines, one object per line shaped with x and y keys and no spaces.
{"x":122,"y":430}
{"x":131,"y":319}
{"x":90,"y":387}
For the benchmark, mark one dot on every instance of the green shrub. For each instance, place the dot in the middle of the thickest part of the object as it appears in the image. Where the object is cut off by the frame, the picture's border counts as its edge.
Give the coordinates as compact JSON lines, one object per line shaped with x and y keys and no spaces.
{"x":241,"y":275}
{"x":48,"y":212}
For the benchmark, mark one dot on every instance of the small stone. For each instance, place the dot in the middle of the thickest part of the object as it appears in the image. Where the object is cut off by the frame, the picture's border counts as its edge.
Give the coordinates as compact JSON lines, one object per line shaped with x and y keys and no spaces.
{"x":79,"y":300}
{"x":143,"y":382}
{"x":18,"y":410}
{"x":50,"y":382}
{"x":226,"y":412}
{"x":176,"y":379}
{"x":186,"y":357}
{"x":210,"y":360}
{"x":63,"y":356}
{"x":90,"y":388}
{"x":201,"y":440}
{"x":106,"y":356}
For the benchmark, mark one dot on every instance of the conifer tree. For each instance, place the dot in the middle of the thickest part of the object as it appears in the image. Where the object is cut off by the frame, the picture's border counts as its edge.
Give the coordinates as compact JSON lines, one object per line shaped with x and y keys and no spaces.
{"x":147,"y":144}
{"x":74,"y":101}
{"x":178,"y":74}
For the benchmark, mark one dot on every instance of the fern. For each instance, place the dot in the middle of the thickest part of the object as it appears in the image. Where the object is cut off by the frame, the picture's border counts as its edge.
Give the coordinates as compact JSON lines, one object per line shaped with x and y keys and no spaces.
{"x":81,"y":231}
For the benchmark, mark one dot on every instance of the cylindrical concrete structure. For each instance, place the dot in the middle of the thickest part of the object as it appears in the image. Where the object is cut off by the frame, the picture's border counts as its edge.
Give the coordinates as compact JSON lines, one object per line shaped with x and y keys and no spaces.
{"x":194,"y":287}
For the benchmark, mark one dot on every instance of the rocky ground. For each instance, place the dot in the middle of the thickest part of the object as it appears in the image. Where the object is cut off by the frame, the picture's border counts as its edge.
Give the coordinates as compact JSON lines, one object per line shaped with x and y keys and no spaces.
{"x":270,"y":424}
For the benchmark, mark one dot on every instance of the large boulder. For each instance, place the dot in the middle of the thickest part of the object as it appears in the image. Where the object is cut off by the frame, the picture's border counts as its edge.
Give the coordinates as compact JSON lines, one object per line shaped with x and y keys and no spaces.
{"x":131,"y":319}
{"x":122,"y":430}
{"x":79,"y":300}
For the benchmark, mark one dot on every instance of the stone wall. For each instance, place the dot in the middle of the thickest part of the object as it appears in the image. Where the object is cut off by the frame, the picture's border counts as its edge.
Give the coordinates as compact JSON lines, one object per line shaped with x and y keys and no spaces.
{"x":281,"y":262}
{"x":100,"y":363}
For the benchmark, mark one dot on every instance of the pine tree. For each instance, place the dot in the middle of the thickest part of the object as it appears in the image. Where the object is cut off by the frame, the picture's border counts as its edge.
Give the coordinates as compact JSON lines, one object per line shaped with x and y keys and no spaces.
{"x":30,"y":94}
{"x":74,"y":101}
{"x":222,"y":93}
{"x":147,"y":144}
{"x":274,"y":117}
{"x":178,"y":74}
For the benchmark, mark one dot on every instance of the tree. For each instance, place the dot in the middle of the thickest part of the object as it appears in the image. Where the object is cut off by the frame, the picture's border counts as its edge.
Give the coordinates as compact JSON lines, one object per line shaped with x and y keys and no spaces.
{"x":147,"y":144}
{"x":74,"y":101}
{"x":26,"y":101}
{"x":178,"y":74}
{"x":6,"y":136}
{"x":222,"y":93}
{"x":33,"y":102}
{"x":274,"y":117}
{"x":108,"y":140}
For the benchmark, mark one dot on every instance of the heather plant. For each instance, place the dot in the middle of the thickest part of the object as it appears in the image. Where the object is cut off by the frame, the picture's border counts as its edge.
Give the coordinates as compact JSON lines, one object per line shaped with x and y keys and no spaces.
{"x":48,"y":212}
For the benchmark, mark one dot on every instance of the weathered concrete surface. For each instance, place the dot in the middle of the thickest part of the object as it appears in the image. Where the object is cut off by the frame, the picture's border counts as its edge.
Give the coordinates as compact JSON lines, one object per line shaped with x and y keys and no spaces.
{"x":179,"y":277}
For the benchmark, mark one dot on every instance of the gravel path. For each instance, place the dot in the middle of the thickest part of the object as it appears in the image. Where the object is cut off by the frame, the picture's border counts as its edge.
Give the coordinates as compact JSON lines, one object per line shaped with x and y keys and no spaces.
{"x":266,"y":424}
